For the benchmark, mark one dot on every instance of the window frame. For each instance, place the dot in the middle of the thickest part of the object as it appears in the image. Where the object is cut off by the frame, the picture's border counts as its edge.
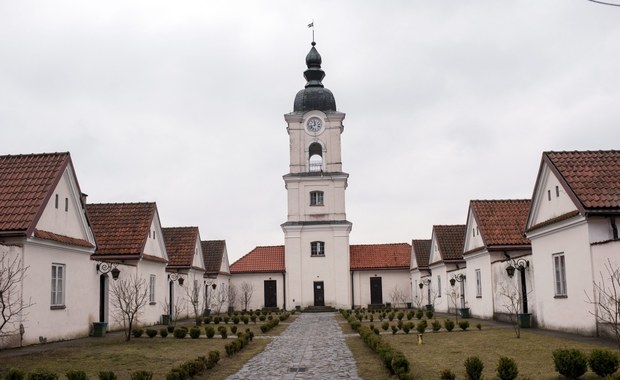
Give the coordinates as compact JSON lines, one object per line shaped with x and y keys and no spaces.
{"x":559,"y":275}
{"x":57,"y":289}
{"x":152,"y":283}
{"x":317,"y":249}
{"x":317,"y":198}
{"x":438,"y":286}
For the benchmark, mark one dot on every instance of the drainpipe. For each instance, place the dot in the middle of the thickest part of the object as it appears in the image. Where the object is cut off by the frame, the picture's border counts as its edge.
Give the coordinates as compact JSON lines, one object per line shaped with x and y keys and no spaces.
{"x":614,"y":227}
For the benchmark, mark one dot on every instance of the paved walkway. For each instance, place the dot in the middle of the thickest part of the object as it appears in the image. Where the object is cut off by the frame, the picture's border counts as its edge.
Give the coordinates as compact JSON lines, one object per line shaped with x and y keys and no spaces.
{"x":312,"y":347}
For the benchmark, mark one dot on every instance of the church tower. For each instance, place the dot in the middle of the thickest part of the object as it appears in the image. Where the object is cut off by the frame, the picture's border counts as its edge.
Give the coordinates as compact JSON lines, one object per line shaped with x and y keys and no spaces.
{"x":316,"y":234}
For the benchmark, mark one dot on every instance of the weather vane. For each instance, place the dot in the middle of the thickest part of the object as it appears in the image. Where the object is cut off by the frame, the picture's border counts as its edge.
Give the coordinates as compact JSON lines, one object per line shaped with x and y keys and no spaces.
{"x":311,"y":25}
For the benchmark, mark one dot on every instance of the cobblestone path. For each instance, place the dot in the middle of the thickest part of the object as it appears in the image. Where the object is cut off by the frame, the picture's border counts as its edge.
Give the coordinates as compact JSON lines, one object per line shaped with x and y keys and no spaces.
{"x":312,"y":347}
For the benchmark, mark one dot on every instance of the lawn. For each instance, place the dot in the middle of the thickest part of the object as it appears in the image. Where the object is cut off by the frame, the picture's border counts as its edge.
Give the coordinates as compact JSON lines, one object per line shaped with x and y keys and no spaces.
{"x":156,"y":354}
{"x":448,"y":350}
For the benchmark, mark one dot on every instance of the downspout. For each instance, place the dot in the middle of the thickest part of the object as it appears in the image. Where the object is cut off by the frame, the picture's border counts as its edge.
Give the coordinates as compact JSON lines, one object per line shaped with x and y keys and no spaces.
{"x":614,"y":227}
{"x":284,"y":289}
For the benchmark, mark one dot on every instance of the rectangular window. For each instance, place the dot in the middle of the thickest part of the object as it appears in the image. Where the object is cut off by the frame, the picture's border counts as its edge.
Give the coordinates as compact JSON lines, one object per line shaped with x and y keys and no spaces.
{"x":316,"y":198}
{"x":56,"y":201}
{"x":557,"y":191}
{"x":548,"y":194}
{"x":559,"y":275}
{"x":195,"y":291}
{"x":66,"y":204}
{"x":317,"y":248}
{"x":438,"y":286}
{"x":478,"y":284}
{"x":152,"y":289}
{"x":58,"y":285}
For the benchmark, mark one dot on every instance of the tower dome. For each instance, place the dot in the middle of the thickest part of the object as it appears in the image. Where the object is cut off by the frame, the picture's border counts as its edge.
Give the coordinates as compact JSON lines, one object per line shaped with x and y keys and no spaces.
{"x":314,"y":96}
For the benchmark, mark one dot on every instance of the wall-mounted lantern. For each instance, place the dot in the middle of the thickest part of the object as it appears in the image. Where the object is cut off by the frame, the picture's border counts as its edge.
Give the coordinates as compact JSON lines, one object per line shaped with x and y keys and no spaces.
{"x":105,"y":268}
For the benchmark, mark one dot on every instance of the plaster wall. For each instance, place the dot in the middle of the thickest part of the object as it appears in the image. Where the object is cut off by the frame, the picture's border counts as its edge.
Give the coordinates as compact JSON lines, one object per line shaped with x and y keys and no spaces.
{"x":394,"y":285}
{"x":81,"y":284}
{"x":256,"y":282}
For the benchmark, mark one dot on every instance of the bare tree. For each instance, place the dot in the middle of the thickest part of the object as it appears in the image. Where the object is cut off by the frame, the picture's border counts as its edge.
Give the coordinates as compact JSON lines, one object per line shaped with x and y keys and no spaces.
{"x":221,"y":297}
{"x":129,"y":297}
{"x":398,"y":296}
{"x":193,"y":297}
{"x":512,"y":303}
{"x":232,"y":295}
{"x":177,"y":309}
{"x":12,"y":305}
{"x":607,"y":300}
{"x":247,"y":290}
{"x":453,"y":296}
{"x":418,"y":300}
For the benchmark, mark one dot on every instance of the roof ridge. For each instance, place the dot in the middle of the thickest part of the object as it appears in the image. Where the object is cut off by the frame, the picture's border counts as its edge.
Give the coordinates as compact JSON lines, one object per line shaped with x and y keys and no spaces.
{"x":36,"y":154}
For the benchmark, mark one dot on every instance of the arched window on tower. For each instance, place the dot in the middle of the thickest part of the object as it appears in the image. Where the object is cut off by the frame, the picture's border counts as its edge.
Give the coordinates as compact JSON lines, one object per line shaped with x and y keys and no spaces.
{"x":315,"y":157}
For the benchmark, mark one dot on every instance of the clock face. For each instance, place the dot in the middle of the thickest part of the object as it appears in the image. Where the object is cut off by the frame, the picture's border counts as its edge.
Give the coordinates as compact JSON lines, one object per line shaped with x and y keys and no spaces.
{"x":314,"y":124}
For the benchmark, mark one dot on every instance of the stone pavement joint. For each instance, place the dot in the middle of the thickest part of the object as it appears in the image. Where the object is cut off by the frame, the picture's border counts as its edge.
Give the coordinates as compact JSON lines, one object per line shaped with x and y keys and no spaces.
{"x":312,"y":347}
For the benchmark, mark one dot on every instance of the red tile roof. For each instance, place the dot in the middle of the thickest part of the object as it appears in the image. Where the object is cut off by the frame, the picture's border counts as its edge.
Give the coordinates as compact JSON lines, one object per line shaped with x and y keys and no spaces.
{"x":422,"y":251}
{"x":62,"y":239}
{"x":593,"y":176}
{"x":380,"y":256}
{"x":180,"y":245}
{"x":26,"y":184}
{"x":261,"y":260}
{"x":121,"y":228}
{"x":213,"y":252}
{"x":501,"y":222}
{"x":450,"y":241}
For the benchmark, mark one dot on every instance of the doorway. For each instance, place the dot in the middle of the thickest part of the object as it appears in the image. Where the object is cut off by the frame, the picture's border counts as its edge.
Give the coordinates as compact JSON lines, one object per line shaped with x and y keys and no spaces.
{"x":376,"y":291}
{"x":319,"y":294}
{"x":271,"y":293}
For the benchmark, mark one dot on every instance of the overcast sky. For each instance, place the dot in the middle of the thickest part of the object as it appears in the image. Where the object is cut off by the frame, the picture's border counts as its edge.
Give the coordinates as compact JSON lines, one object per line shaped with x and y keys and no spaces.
{"x":182,"y":102}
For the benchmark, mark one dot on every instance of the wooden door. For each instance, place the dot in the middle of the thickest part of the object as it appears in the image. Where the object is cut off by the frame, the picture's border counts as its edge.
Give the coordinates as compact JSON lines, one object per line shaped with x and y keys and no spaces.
{"x":376,"y":291}
{"x":319,"y":294}
{"x":271,"y":293}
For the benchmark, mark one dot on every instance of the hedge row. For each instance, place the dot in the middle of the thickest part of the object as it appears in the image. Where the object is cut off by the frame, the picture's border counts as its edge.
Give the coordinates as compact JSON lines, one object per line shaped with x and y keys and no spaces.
{"x":269,"y":325}
{"x":192,"y":368}
{"x":237,"y":345}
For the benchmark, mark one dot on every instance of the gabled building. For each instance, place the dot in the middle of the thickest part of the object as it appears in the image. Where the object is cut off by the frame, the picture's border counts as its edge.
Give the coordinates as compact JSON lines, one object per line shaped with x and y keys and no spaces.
{"x":130,"y":242}
{"x":263,"y":272}
{"x":573,"y":228}
{"x":217,"y":272}
{"x":445,"y":260}
{"x":380,"y":274}
{"x":45,"y":235}
{"x":494,"y":240}
{"x":186,"y":266}
{"x":419,"y":270}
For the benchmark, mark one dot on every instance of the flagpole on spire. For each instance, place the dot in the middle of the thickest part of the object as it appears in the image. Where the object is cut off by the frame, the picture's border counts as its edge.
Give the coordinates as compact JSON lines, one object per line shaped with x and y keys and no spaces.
{"x":311,"y":25}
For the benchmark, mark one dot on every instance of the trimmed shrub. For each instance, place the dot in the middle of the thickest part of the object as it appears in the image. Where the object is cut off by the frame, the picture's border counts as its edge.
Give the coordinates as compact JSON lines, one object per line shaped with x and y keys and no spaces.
{"x":170,"y":329}
{"x":473,"y":368}
{"x":410,"y":315}
{"x":391,"y":317}
{"x":76,"y":375}
{"x":429,"y":314}
{"x":236,"y":320}
{"x":479,"y":326}
{"x":194,"y":332}
{"x":507,"y":368}
{"x":394,"y":329}
{"x":447,"y":374}
{"x":269,"y":325}
{"x":42,"y":375}
{"x":141,"y":375}
{"x":223,"y":333}
{"x":400,"y":315}
{"x":233,"y":329}
{"x":464,"y":325}
{"x":15,"y":374}
{"x":262,"y":318}
{"x":177,"y":373}
{"x":419,"y":314}
{"x":245,"y":319}
{"x":394,"y":360}
{"x":180,"y":333}
{"x":217,"y":320}
{"x":210,"y":331}
{"x":406,"y":328}
{"x":571,"y":363}
{"x":107,"y":375}
{"x":137,"y":332}
{"x":226,"y":319}
{"x":193,"y":367}
{"x":448,"y":324}
{"x":421,"y":326}
{"x":163,"y":332}
{"x":385,"y":326}
{"x":603,"y":362}
{"x":436,"y":325}
{"x":208,"y":319}
{"x":151,"y":333}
